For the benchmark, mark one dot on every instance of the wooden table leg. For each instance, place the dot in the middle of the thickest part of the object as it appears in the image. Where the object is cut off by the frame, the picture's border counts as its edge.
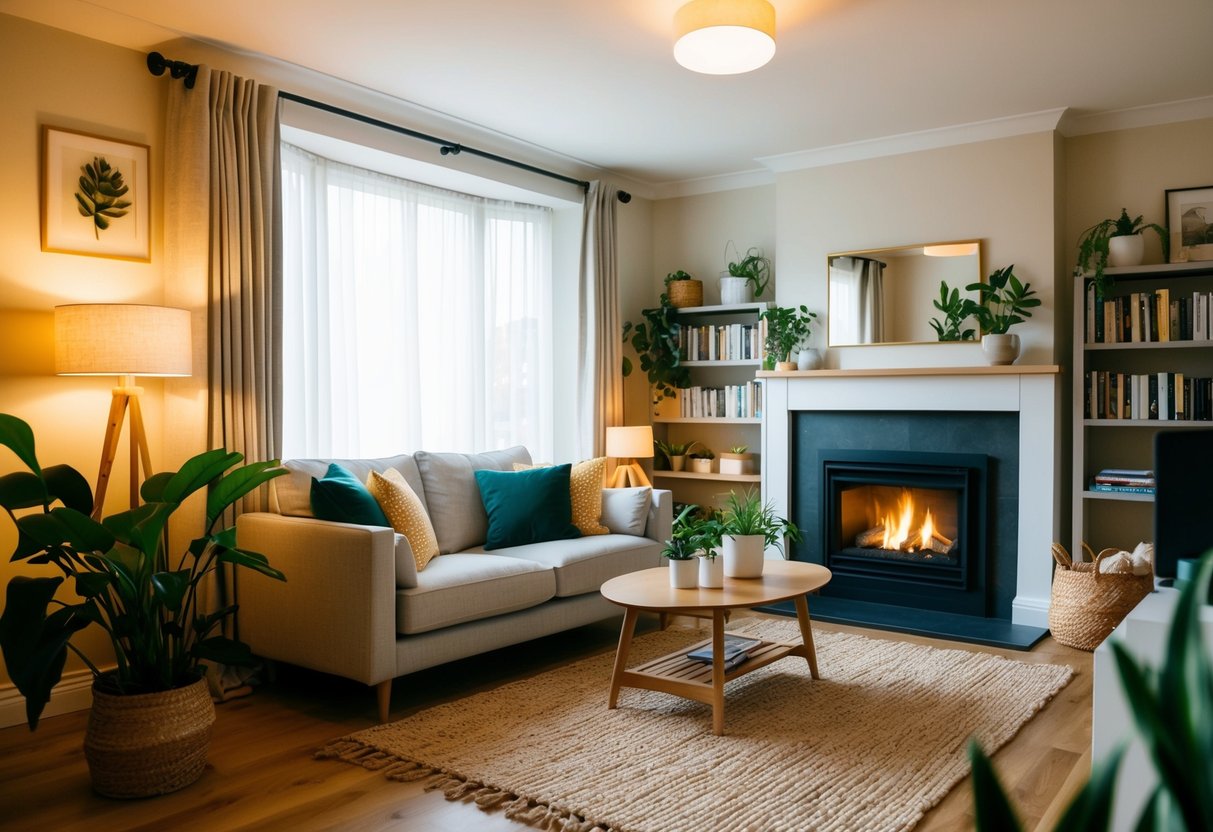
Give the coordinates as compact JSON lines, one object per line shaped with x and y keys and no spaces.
{"x":621,"y":654}
{"x":806,"y":633}
{"x":718,"y":672}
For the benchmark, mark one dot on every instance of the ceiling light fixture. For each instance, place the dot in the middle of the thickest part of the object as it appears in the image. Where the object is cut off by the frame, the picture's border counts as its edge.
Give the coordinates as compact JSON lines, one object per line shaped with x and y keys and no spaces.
{"x":724,"y":37}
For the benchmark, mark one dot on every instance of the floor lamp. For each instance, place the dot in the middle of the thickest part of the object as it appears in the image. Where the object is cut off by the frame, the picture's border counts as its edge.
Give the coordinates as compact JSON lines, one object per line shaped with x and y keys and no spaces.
{"x":125,"y":340}
{"x":628,"y":443}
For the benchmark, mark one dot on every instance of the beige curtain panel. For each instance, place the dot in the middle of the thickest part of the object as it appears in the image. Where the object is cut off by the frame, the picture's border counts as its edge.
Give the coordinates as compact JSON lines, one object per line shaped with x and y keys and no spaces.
{"x":599,"y":342}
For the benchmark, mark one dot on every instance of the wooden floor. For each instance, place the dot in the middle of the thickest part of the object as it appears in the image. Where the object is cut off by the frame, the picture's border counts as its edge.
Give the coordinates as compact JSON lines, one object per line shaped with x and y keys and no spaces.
{"x":261,"y":774}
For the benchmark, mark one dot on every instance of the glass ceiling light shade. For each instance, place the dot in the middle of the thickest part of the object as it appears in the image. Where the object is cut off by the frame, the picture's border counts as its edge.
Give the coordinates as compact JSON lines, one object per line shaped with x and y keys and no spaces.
{"x":950,"y":250}
{"x":724,"y":37}
{"x":121,"y":339}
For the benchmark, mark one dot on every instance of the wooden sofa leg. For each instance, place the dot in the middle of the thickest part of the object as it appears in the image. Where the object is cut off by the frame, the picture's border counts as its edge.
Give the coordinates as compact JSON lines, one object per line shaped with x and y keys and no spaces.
{"x":383,"y":692}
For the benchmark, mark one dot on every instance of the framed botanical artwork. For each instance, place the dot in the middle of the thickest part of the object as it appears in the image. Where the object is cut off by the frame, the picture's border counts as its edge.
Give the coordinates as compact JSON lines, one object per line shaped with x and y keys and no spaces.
{"x":96,"y":198}
{"x":1190,"y":223}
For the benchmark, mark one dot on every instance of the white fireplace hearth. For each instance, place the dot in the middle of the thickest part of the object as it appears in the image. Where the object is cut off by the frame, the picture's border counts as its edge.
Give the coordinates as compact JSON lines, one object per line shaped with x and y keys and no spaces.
{"x":1031,"y":391}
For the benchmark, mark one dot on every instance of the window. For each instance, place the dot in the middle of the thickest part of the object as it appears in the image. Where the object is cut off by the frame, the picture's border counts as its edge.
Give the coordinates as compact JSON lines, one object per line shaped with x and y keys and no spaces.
{"x":413,"y":317}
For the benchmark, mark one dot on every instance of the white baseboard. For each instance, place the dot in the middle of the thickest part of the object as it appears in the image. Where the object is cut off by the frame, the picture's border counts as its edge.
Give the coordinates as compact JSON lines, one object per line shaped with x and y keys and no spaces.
{"x":1034,"y":612}
{"x":73,"y":693}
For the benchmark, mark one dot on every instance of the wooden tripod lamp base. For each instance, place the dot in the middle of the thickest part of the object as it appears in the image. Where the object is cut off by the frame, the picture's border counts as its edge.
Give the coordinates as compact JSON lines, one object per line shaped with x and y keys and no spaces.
{"x":124,"y":397}
{"x":629,"y":475}
{"x":627,"y":443}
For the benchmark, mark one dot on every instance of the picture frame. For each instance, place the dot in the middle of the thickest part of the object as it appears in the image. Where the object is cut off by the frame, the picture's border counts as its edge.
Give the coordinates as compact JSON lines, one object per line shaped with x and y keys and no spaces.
{"x":96,"y":196}
{"x":1190,"y":223}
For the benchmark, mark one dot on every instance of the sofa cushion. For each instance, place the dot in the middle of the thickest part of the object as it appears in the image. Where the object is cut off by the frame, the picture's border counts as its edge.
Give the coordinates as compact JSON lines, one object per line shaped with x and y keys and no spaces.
{"x":585,"y":490}
{"x":526,"y":506}
{"x":626,"y":510}
{"x":584,"y":564}
{"x":466,"y":587}
{"x":342,"y":497}
{"x":452,"y":497}
{"x":406,"y":564}
{"x":291,"y":494}
{"x":404,"y":511}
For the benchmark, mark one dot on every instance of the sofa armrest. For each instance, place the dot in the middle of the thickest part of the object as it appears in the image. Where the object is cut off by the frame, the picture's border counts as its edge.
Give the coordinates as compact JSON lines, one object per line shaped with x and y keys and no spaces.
{"x":661,"y":516}
{"x":336,"y":611}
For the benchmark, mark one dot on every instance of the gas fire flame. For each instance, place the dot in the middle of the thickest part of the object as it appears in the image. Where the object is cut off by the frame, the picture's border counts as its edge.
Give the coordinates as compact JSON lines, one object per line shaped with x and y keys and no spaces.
{"x":902,"y":528}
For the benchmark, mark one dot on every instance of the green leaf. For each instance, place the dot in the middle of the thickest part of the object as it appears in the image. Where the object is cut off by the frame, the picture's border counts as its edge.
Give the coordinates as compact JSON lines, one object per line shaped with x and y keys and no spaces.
{"x":22,"y":489}
{"x":18,"y":437}
{"x":170,"y":588}
{"x":152,"y":490}
{"x":83,"y":532}
{"x":34,"y":653}
{"x":253,"y":560}
{"x":198,"y":472}
{"x":91,"y":584}
{"x":224,"y":650}
{"x":70,"y":487}
{"x":990,"y":803}
{"x":238,"y":483}
{"x":44,"y":529}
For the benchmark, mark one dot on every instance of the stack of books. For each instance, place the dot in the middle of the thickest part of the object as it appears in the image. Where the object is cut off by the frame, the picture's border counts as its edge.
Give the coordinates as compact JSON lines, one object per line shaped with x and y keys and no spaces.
{"x":1125,"y":480}
{"x":1149,"y":316}
{"x":1162,"y":396}
{"x":735,"y":651}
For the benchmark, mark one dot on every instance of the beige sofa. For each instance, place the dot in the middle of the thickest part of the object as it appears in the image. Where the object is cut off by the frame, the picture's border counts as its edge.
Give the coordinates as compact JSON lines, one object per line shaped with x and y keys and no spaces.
{"x":355,"y":605}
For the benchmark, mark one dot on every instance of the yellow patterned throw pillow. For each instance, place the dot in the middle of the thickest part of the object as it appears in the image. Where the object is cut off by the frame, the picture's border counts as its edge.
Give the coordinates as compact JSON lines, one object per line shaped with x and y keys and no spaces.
{"x":585,"y":490}
{"x":405,"y":512}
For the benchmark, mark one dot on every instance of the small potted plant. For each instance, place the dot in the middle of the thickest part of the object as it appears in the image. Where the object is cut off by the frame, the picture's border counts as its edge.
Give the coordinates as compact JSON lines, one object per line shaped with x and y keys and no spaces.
{"x":682,"y":547}
{"x":746,"y":277}
{"x":711,"y":564}
{"x":1003,"y":303}
{"x":748,"y":527}
{"x":674,"y":452}
{"x":955,"y":313}
{"x":787,"y":328}
{"x":683,"y":289}
{"x":1116,"y":242}
{"x":655,"y":340}
{"x":736,"y":460}
{"x":701,"y":460}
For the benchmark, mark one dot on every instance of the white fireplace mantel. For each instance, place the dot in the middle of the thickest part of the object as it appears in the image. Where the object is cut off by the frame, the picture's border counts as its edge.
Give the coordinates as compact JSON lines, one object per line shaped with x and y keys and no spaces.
{"x":1029,"y":390}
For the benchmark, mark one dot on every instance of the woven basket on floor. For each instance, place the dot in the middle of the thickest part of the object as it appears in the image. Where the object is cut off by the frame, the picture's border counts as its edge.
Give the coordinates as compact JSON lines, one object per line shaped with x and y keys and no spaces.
{"x":144,"y":744}
{"x":1087,"y":604}
{"x":685,"y":293}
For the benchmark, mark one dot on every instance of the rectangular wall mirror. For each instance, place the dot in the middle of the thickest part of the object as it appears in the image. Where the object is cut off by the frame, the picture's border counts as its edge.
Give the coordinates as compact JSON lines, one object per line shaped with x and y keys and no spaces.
{"x":885,"y":295}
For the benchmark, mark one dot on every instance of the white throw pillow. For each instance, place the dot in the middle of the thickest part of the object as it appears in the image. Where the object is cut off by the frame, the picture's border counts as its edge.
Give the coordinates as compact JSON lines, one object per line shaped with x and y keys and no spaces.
{"x":626,"y":510}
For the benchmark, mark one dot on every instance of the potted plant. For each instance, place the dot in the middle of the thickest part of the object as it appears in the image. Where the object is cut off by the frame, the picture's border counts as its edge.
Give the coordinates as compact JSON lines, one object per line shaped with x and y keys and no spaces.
{"x":745,"y":278}
{"x":124,"y":581}
{"x":1116,"y":242}
{"x":684,"y":543}
{"x":683,"y":289}
{"x":655,"y":340}
{"x":787,"y":329}
{"x":701,"y":460}
{"x":1002,"y":303}
{"x":675,"y":452}
{"x":711,"y":565}
{"x":736,"y":460}
{"x":955,"y":313}
{"x":749,"y":526}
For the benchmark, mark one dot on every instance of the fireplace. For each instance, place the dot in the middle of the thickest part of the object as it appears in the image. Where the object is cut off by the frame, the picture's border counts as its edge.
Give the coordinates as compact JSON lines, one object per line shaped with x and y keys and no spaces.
{"x":906,"y":528}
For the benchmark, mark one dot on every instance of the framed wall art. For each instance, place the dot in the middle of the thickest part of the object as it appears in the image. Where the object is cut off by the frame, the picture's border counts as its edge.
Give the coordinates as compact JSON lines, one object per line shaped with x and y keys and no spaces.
{"x":96,"y":198}
{"x":1190,"y":223}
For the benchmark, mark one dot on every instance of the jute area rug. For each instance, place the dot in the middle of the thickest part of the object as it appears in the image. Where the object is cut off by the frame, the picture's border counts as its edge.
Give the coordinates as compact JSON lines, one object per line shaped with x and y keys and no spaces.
{"x":872,"y":745}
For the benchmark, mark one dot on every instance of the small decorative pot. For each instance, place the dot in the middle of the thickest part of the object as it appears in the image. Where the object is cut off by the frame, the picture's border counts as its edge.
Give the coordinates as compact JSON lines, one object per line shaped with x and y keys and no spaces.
{"x":677,"y":463}
{"x":743,"y":556}
{"x":736,"y":463}
{"x":139,"y":745}
{"x":684,"y":293}
{"x":701,"y":466}
{"x":735,"y":289}
{"x":808,"y":359}
{"x":1000,"y":349}
{"x":1126,"y":250}
{"x":684,"y":574}
{"x":785,"y":366}
{"x":711,"y":572}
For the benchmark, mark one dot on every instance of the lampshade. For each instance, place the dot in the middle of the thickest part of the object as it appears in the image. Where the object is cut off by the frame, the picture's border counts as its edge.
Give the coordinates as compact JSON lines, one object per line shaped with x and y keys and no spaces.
{"x":630,"y":442}
{"x":724,"y":37}
{"x":115,"y":339}
{"x":950,"y":250}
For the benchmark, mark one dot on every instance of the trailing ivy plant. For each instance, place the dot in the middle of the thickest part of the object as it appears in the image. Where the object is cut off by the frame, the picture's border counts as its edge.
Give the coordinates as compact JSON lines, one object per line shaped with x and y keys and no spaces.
{"x":1093,"y":244}
{"x":954,"y":315}
{"x":655,"y":340}
{"x":100,"y":194}
{"x":1002,"y":301}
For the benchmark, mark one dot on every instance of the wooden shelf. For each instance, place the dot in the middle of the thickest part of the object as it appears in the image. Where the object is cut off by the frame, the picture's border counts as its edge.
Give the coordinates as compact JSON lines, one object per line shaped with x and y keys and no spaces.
{"x":1149,"y":345}
{"x":693,"y":475}
{"x":745,"y":362}
{"x":1145,"y":423}
{"x":1118,"y":496}
{"x":1158,"y":270}
{"x":724,"y":309}
{"x":984,"y":370}
{"x":705,"y":420}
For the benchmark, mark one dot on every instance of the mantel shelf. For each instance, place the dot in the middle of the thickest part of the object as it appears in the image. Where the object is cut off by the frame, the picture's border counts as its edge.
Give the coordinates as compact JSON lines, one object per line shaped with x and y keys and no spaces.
{"x":988,"y":370}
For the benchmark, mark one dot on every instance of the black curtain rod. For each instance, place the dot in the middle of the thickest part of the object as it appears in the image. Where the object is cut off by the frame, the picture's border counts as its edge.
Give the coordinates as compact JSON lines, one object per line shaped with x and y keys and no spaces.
{"x":157,"y":64}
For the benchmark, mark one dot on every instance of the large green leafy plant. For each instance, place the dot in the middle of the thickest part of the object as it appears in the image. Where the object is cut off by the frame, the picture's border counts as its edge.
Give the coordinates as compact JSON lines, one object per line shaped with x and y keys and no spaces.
{"x":1172,"y":710}
{"x":787,"y":328}
{"x":955,"y":313}
{"x":1003,"y":301}
{"x":746,"y":514}
{"x":121,"y":575}
{"x":655,"y":340}
{"x":100,"y":194}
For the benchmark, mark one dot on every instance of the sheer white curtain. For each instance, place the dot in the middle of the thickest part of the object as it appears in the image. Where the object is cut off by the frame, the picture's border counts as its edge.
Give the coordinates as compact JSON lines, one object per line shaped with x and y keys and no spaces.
{"x":856,"y":300}
{"x":413,"y":318}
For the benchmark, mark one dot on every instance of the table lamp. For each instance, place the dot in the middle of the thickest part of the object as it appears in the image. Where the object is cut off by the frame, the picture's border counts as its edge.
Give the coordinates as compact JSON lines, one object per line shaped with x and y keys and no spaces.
{"x":125,"y":340}
{"x":629,"y":443}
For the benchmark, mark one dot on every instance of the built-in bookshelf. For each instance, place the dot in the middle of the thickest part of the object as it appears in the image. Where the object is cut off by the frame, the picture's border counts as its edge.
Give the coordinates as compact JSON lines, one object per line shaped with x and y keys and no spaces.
{"x":722,"y":349}
{"x":1143,"y":362}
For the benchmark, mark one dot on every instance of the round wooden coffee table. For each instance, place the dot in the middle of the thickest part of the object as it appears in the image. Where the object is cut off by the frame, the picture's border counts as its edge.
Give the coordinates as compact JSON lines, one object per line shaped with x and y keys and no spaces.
{"x":650,"y":590}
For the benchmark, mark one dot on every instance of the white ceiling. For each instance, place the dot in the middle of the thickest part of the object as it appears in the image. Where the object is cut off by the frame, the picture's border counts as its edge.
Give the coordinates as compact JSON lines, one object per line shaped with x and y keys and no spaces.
{"x":595,"y":79}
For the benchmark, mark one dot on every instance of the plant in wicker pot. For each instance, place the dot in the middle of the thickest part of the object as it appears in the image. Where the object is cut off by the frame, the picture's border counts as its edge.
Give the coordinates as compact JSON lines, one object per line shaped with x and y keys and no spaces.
{"x":1088,"y":602}
{"x":683,"y":289}
{"x":149,"y":729}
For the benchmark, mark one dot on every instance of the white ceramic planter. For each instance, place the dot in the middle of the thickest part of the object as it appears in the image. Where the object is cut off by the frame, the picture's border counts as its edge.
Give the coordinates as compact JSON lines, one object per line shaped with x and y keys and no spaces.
{"x":1126,"y":250}
{"x":684,"y":574}
{"x":735,"y":289}
{"x":743,"y":556}
{"x":736,"y":463}
{"x":700,"y":466}
{"x":808,"y":359}
{"x":677,"y":463}
{"x":711,"y":572}
{"x":1000,"y":349}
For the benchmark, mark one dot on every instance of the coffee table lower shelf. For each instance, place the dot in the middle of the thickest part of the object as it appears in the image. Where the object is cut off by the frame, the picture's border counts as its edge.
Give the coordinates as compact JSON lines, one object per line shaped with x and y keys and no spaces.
{"x":675,"y":673}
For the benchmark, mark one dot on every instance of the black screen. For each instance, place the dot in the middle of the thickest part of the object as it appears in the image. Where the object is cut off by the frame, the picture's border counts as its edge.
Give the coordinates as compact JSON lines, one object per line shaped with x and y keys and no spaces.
{"x":1183,"y":502}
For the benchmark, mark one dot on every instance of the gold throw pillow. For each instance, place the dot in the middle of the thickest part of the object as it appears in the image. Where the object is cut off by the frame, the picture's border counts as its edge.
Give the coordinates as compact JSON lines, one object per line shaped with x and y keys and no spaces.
{"x":585,"y":490}
{"x":405,"y":512}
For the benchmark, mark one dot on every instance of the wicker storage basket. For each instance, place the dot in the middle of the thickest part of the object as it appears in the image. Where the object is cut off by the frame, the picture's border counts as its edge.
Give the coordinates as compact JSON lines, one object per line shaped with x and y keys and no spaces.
{"x":685,"y":293}
{"x":1087,"y":604}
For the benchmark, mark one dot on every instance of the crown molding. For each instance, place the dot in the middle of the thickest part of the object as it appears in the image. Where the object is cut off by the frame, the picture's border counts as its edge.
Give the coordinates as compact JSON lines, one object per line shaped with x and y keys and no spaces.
{"x":1151,"y":115}
{"x":714,"y":184}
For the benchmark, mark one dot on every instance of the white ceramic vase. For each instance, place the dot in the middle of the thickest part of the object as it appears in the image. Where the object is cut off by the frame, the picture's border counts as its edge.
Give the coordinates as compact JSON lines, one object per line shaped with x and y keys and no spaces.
{"x":1000,"y":349}
{"x":684,"y":574}
{"x":743,"y":556}
{"x":711,"y":572}
{"x":735,"y":289}
{"x":1126,"y":250}
{"x":808,"y":359}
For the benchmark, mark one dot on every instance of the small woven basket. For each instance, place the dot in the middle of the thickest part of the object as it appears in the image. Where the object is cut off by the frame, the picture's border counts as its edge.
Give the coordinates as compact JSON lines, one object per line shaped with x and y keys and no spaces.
{"x":685,"y":293}
{"x":1087,"y":604}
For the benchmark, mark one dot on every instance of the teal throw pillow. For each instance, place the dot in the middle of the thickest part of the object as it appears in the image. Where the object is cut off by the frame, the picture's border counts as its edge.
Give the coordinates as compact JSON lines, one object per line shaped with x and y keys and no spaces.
{"x":527,"y":506}
{"x":341,"y":498}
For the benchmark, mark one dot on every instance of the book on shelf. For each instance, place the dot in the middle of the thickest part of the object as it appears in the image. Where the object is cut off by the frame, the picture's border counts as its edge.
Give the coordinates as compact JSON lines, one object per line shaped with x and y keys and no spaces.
{"x":1159,"y":316}
{"x":735,"y":650}
{"x":1122,"y":489}
{"x":1145,"y":482}
{"x":1162,"y":396}
{"x":720,"y":342}
{"x":730,"y":401}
